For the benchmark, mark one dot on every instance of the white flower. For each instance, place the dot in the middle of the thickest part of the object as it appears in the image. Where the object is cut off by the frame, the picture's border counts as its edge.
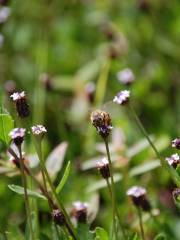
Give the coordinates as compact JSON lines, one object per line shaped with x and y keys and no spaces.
{"x":126,"y":76}
{"x":136,"y":191}
{"x":122,"y":97}
{"x":38,"y":129}
{"x":17,"y":96}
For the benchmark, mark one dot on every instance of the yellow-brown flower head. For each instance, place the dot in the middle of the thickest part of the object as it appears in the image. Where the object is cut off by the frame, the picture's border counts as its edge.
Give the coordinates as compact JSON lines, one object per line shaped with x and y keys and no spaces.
{"x":102,"y":122}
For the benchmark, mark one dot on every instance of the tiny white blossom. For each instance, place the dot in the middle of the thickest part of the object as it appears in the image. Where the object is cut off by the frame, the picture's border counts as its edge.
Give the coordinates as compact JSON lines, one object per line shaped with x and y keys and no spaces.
{"x":122,"y":97}
{"x":136,"y":191}
{"x":17,"y":96}
{"x":126,"y":76}
{"x":38,"y":129}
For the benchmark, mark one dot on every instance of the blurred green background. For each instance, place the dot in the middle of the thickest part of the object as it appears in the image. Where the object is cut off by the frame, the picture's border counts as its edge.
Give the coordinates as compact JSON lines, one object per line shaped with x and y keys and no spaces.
{"x":62,"y":54}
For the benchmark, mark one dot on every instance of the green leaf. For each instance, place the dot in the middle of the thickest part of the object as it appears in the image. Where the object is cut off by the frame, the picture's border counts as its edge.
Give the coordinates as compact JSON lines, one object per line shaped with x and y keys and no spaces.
{"x":134,"y":237}
{"x":20,"y":190}
{"x":64,"y":178}
{"x":6,"y":125}
{"x":101,"y":234}
{"x":160,"y":236}
{"x":83,"y":232}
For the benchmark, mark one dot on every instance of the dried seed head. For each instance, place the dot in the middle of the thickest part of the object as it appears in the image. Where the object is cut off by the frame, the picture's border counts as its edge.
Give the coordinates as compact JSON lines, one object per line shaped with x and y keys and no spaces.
{"x":122,"y":97}
{"x":17,"y":135}
{"x":176,"y":194}
{"x":176,"y":143}
{"x":58,"y":217}
{"x":38,"y":131}
{"x":79,"y":211}
{"x":102,"y":122}
{"x":138,"y":196}
{"x":173,"y":160}
{"x":10,"y":87}
{"x":103,"y":167}
{"x":126,"y":76}
{"x":22,"y":106}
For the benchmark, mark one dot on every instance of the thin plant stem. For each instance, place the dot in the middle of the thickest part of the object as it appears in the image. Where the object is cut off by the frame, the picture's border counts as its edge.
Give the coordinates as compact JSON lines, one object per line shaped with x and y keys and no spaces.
{"x":115,"y":209}
{"x":140,"y":222}
{"x":24,"y":182}
{"x":174,"y":175}
{"x":60,"y":205}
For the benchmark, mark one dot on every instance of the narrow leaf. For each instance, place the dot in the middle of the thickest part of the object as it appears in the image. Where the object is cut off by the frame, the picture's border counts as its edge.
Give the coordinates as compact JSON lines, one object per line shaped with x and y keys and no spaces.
{"x":20,"y":190}
{"x":6,"y":125}
{"x":101,"y":234}
{"x":64,"y":178}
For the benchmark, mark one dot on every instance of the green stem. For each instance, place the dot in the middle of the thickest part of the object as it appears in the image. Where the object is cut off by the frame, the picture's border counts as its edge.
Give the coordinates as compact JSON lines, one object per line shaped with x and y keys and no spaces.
{"x":24,"y":182}
{"x":141,"y":223}
{"x":114,"y":206}
{"x":60,"y":205}
{"x":174,"y":175}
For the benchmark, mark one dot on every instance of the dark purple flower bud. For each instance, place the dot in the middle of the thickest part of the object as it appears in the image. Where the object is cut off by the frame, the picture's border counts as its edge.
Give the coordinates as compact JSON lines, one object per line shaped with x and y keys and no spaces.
{"x":102,"y":122}
{"x":10,"y":87}
{"x":22,"y":106}
{"x":176,"y":143}
{"x":79,"y":211}
{"x":138,"y":196}
{"x":126,"y":76}
{"x":17,"y":135}
{"x":58,"y":217}
{"x":122,"y":97}
{"x":103,"y":167}
{"x":173,"y":160}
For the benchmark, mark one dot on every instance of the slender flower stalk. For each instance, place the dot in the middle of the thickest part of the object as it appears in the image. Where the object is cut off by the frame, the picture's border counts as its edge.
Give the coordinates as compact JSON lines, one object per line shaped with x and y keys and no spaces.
{"x":141,"y":222}
{"x":24,"y":182}
{"x":59,"y":203}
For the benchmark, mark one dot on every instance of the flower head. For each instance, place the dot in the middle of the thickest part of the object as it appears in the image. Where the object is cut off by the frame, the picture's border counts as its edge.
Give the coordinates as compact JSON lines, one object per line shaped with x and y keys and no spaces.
{"x":22,"y":106}
{"x":38,"y":130}
{"x":17,"y":135}
{"x":126,"y":76}
{"x":102,"y":122}
{"x":58,"y":217}
{"x":138,"y":196}
{"x":173,"y":160}
{"x":103,"y":167}
{"x":176,"y":194}
{"x":79,"y":211}
{"x":122,"y":97}
{"x":176,"y":143}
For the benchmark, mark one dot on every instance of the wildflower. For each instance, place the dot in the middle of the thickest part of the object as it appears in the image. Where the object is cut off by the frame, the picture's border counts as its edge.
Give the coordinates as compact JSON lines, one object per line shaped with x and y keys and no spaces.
{"x":79,"y":211}
{"x":17,"y":135}
{"x":58,"y":217}
{"x":138,"y":196}
{"x":103,"y":167}
{"x":90,"y":90}
{"x":39,"y":131}
{"x":10,"y":87}
{"x":122,"y":97}
{"x":176,"y":194}
{"x":173,"y":160}
{"x":126,"y":76}
{"x":176,"y":143}
{"x":102,"y":122}
{"x":4,"y":14}
{"x":22,"y":106}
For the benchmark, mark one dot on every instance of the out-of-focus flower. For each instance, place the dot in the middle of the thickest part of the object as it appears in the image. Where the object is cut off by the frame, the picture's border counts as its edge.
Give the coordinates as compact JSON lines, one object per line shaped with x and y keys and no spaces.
{"x":22,"y":106}
{"x":46,"y":81}
{"x":4,"y":2}
{"x":10,"y":87}
{"x":58,"y":217}
{"x":176,"y":143}
{"x":102,"y":122}
{"x":103,"y":167}
{"x":79,"y":211}
{"x":138,"y":196}
{"x":173,"y":160}
{"x":90,"y":90}
{"x":126,"y":76}
{"x":4,"y":14}
{"x":122,"y":97}
{"x":17,"y":135}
